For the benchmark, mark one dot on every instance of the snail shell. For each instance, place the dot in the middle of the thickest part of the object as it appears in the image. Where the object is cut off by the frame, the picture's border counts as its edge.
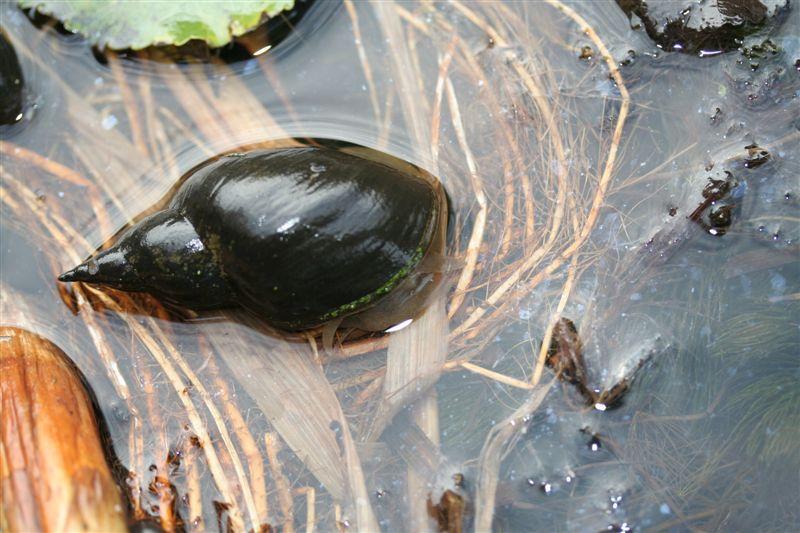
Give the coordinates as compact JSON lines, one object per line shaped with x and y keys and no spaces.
{"x":11,"y":83}
{"x":300,"y":236}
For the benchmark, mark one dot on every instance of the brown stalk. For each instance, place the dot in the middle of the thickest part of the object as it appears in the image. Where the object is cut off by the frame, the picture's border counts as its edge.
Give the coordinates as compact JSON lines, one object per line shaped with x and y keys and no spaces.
{"x":197,"y":424}
{"x":293,"y":393}
{"x":211,"y":406}
{"x":53,"y":469}
{"x":166,"y":497}
{"x":196,"y":107}
{"x":130,"y":103}
{"x":241,"y":111}
{"x":255,"y":462}
{"x":414,"y":55}
{"x":187,"y":132}
{"x":476,"y":239}
{"x":193,"y":490}
{"x":403,"y":69}
{"x":86,"y":161}
{"x":311,"y":500}
{"x":59,"y":171}
{"x":383,"y":135}
{"x":273,"y":445}
{"x":436,"y":115}
{"x":362,"y":56}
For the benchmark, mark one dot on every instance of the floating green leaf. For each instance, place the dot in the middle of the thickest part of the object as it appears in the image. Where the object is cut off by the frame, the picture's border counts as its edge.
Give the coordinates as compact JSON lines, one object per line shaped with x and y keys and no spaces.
{"x":136,"y":24}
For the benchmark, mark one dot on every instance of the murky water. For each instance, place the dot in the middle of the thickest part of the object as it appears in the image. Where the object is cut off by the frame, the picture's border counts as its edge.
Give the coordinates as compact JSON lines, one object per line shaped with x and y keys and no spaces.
{"x":572,"y":197}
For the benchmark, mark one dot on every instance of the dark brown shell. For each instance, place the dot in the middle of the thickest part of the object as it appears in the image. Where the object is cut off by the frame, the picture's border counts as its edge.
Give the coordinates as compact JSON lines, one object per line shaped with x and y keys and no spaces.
{"x":300,"y":236}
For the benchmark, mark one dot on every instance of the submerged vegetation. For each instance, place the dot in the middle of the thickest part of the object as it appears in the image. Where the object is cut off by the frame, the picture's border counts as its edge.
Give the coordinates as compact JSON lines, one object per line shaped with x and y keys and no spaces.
{"x":646,"y":198}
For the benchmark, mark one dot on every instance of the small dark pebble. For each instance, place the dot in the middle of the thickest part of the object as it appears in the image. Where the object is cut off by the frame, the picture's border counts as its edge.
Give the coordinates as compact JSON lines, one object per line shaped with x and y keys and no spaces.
{"x":756,"y":156}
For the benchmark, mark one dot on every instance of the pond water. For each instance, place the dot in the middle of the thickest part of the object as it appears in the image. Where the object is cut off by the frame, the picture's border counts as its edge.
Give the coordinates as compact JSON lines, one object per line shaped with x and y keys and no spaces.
{"x":578,"y":158}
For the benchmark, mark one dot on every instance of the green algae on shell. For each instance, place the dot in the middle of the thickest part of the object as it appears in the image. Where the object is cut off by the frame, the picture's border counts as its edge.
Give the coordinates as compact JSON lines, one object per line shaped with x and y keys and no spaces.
{"x":300,"y":236}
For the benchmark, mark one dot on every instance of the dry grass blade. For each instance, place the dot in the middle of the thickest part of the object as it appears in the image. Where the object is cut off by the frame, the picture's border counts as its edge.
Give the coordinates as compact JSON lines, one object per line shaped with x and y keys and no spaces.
{"x":499,"y":440}
{"x":112,"y":152}
{"x":403,"y":67}
{"x":311,"y":500}
{"x":219,"y":421}
{"x":255,"y":462}
{"x":131,"y":105}
{"x":284,"y":494}
{"x":414,"y":362}
{"x":195,"y":503}
{"x":291,"y":390}
{"x":362,"y":56}
{"x":426,"y":417}
{"x":476,"y":239}
{"x":181,"y":388}
{"x":57,"y":228}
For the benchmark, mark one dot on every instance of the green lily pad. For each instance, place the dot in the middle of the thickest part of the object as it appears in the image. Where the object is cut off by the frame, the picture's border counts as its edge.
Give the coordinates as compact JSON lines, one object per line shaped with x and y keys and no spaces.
{"x":136,"y":24}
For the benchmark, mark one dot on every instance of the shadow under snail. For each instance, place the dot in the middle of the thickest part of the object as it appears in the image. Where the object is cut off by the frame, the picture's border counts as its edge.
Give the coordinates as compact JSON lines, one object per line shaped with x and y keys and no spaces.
{"x":300,"y":236}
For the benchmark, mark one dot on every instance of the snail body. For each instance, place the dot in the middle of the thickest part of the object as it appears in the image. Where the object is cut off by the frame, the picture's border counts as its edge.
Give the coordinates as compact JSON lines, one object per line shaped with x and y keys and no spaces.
{"x":11,"y":83}
{"x":300,"y":236}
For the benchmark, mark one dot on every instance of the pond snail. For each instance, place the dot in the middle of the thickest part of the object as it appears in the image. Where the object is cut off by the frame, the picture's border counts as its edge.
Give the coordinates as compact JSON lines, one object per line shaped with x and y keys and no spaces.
{"x":301,"y":236}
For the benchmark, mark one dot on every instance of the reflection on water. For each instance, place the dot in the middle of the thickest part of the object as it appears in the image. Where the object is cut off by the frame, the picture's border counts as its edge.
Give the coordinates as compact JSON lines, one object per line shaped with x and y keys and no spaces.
{"x":573,"y":196}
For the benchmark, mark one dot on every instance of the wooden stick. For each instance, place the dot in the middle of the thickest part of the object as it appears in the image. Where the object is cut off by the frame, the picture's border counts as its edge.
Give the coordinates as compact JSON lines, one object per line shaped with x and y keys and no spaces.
{"x":284,"y":495}
{"x":53,"y":470}
{"x":311,"y":501}
{"x":193,"y":491}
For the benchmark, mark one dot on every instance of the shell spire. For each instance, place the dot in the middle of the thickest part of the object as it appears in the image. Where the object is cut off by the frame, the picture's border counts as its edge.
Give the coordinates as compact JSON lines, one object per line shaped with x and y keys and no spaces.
{"x":162,"y":254}
{"x":106,"y":267}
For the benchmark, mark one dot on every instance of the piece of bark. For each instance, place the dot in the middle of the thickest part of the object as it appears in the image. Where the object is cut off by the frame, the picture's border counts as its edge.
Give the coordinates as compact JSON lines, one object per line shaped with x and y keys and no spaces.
{"x":53,"y":472}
